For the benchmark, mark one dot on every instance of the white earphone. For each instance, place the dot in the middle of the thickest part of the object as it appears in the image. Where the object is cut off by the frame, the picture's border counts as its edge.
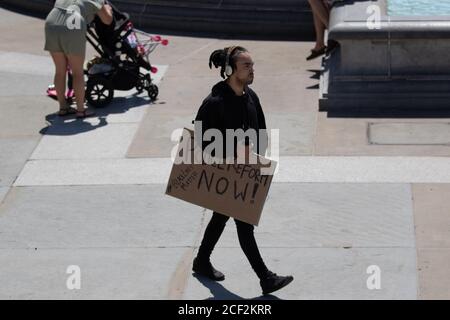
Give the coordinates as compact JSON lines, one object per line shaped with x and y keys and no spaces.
{"x":228,"y":68}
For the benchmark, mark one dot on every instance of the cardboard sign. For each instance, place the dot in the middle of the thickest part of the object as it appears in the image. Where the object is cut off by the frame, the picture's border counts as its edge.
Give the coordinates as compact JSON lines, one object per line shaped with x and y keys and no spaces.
{"x":236,"y":190}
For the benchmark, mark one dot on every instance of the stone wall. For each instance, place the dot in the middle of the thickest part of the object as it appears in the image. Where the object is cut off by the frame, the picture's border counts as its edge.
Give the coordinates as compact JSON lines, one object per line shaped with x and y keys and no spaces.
{"x":403,"y":65}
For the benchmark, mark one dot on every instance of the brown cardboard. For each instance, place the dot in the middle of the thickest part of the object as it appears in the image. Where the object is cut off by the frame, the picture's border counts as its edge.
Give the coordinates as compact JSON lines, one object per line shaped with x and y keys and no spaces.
{"x":235,"y":190}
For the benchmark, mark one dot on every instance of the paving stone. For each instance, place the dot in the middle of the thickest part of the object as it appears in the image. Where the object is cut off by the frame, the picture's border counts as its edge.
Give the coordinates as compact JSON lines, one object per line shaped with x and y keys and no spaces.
{"x":96,"y":216}
{"x":409,"y":133}
{"x":431,"y":208}
{"x":73,"y":140}
{"x":24,"y":117}
{"x":14,"y":152}
{"x":25,"y":63}
{"x":24,"y":85}
{"x":113,"y":273}
{"x":433,"y":265}
{"x":291,"y":169}
{"x":3,"y":192}
{"x":318,"y":274}
{"x":349,"y":137}
{"x":333,"y":216}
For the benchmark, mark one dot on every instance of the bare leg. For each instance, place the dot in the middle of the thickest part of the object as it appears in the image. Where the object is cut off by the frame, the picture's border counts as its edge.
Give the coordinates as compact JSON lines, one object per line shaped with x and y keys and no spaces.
{"x":60,"y":62}
{"x":76,"y":64}
{"x":320,"y":33}
{"x":322,"y":12}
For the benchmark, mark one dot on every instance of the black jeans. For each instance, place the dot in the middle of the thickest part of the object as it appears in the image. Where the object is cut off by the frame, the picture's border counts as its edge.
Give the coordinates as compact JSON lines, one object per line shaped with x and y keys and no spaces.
{"x":246,"y":240}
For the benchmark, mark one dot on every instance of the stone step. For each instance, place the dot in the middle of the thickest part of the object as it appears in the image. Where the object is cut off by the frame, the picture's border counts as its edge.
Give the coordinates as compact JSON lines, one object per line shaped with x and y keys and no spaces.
{"x":411,"y":102}
{"x":281,"y":19}
{"x":391,"y":87}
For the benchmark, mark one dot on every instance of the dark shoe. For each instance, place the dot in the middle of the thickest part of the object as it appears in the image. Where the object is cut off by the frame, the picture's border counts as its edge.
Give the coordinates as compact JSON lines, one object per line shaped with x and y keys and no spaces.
{"x":316,"y":53}
{"x":273,"y":282}
{"x":206,"y":269}
{"x":332,"y":44}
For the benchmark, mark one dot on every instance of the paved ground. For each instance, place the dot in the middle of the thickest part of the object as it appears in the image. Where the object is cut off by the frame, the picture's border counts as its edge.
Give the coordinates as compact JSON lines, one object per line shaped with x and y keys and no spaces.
{"x":350,"y":193}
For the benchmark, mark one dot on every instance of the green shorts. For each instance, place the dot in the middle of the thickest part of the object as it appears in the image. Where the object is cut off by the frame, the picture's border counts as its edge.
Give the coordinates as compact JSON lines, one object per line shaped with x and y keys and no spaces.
{"x":63,"y":39}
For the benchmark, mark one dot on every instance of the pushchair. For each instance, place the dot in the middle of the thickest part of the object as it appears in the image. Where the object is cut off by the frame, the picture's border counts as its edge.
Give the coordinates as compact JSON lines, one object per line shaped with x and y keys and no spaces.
{"x":124,"y":51}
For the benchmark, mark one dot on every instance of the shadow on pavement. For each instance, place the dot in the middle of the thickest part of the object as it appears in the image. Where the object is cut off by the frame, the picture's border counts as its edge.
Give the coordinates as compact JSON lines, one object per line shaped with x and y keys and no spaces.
{"x":70,"y":125}
{"x":316,"y":76}
{"x":314,"y":87}
{"x":219,"y":292}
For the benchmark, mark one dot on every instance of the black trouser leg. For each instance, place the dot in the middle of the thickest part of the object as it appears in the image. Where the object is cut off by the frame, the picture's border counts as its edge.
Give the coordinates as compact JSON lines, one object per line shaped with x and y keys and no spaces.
{"x":212,"y":234}
{"x":250,"y":248}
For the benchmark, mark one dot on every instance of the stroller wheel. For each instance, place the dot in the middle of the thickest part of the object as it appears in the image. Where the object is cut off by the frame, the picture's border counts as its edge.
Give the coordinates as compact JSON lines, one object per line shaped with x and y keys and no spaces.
{"x":99,"y":92}
{"x":152,"y":92}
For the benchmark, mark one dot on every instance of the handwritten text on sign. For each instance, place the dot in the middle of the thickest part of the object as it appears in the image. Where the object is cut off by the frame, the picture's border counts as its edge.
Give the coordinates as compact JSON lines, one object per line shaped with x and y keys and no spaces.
{"x":220,"y":184}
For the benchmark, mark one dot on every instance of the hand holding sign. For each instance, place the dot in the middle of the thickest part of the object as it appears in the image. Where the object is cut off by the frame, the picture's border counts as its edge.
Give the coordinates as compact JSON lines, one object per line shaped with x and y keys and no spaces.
{"x":245,"y":154}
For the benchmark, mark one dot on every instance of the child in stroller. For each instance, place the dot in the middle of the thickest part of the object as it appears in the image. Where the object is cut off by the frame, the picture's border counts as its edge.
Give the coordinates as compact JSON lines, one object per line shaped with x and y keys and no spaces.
{"x":123,"y":51}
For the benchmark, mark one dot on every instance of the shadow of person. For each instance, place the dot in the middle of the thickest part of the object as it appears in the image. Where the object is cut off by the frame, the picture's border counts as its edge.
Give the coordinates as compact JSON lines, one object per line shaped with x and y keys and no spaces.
{"x":315,"y":74}
{"x":124,"y":104}
{"x":219,"y":292}
{"x":70,"y":125}
{"x":313,"y":87}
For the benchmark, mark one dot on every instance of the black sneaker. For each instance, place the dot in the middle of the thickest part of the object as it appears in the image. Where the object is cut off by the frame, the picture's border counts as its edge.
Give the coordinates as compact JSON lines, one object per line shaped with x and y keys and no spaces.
{"x":273,"y":282}
{"x":206,"y":269}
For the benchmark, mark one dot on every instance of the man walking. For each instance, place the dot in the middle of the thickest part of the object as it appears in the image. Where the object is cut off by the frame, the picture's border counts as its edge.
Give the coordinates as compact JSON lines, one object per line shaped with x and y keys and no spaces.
{"x":233,"y":105}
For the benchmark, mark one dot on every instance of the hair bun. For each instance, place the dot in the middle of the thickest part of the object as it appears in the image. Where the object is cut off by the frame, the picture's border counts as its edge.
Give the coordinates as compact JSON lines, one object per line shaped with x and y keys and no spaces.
{"x":217,"y":58}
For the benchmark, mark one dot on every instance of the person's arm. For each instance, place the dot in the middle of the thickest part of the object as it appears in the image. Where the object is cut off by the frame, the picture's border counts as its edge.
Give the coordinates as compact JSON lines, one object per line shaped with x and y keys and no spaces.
{"x":211,"y":114}
{"x":208,"y":117}
{"x":106,"y":14}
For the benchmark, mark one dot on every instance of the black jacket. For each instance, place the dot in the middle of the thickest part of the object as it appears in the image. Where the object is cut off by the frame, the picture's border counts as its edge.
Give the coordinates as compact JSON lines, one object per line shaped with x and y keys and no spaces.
{"x":223,"y":109}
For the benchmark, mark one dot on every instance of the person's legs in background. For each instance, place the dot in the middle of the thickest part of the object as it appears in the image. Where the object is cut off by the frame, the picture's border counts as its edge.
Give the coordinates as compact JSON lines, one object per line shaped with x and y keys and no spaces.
{"x":60,"y":61}
{"x":320,"y":33}
{"x":70,"y":92}
{"x":70,"y":79}
{"x":76,"y":64}
{"x":321,"y":15}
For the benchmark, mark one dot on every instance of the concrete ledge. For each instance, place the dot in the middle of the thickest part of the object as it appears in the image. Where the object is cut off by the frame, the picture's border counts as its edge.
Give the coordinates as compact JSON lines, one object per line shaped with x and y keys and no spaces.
{"x":266,"y":19}
{"x":404,"y":65}
{"x":349,"y":21}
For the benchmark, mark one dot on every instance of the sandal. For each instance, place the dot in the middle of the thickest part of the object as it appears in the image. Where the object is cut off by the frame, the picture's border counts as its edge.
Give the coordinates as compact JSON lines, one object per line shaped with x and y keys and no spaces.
{"x":66,"y":111}
{"x":316,"y":53}
{"x":84,"y":114}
